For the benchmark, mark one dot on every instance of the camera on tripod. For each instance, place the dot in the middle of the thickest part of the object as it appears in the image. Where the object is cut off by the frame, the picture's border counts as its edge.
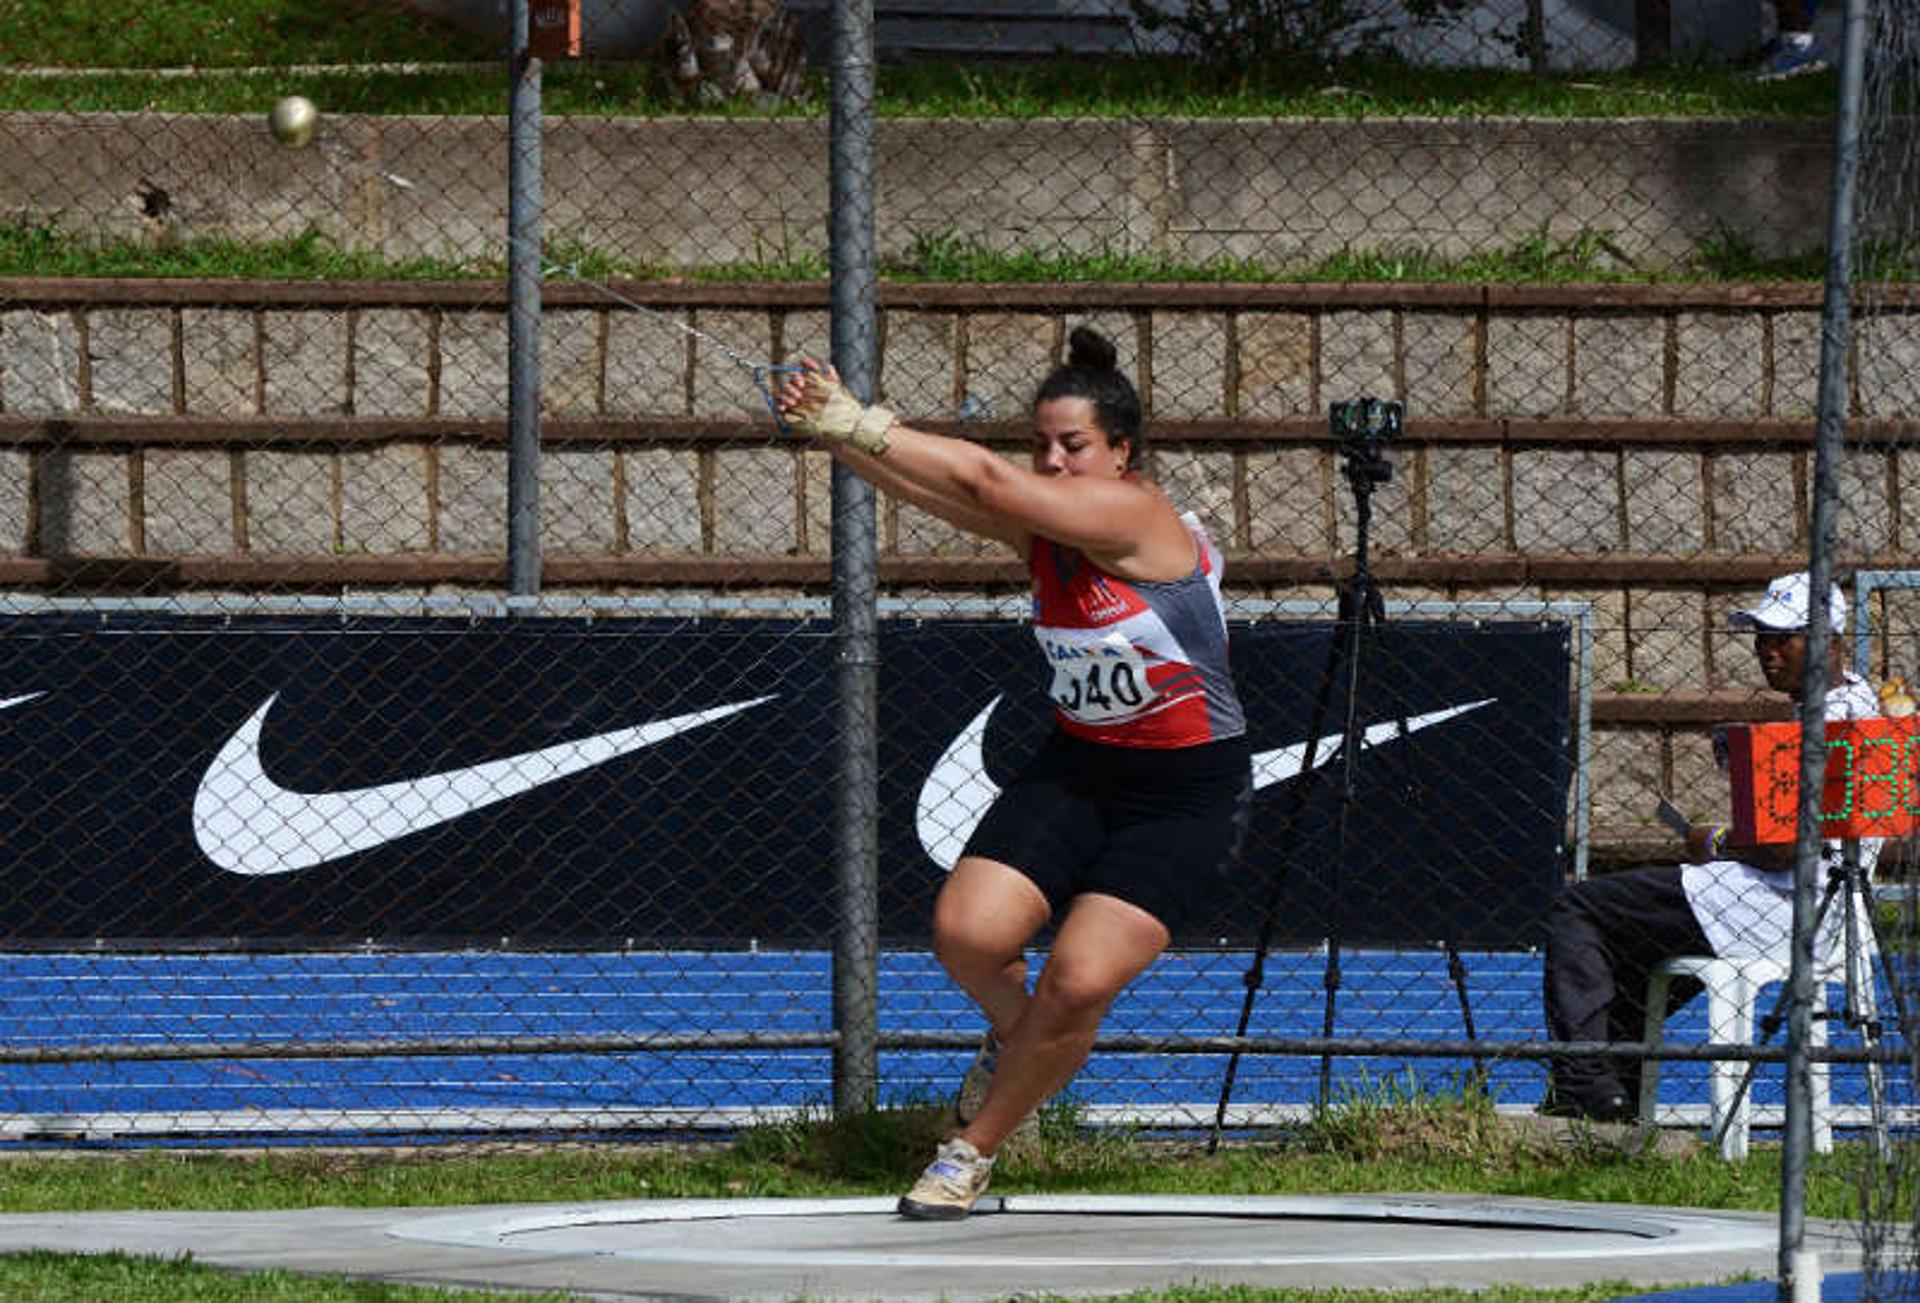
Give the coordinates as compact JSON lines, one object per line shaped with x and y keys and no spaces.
{"x":1361,"y":426}
{"x":1366,"y":420}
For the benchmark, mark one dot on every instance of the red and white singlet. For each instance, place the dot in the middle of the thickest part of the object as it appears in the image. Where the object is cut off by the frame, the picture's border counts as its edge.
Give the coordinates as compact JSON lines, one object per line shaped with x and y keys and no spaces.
{"x":1135,"y":664}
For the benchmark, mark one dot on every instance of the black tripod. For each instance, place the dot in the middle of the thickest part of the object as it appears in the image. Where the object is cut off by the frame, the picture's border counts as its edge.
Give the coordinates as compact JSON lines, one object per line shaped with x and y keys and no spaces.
{"x":1361,"y":426}
{"x":1849,"y":887}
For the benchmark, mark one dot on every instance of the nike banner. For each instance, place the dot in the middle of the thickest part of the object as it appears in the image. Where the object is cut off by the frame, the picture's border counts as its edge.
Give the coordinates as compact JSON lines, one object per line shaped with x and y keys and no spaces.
{"x":312,"y":780}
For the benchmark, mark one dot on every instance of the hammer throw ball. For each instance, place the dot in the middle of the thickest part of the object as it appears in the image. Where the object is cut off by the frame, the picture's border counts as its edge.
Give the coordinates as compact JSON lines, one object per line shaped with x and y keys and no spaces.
{"x":293,"y":120}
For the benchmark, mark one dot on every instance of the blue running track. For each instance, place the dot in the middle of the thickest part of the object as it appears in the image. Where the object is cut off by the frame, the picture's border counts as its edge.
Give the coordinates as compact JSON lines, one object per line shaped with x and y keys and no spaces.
{"x":1841,"y":1287}
{"x":57,"y":1000}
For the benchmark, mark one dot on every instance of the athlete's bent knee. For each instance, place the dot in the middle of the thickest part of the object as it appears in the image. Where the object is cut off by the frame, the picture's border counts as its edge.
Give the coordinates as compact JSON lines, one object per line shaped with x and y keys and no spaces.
{"x":1077,"y":992}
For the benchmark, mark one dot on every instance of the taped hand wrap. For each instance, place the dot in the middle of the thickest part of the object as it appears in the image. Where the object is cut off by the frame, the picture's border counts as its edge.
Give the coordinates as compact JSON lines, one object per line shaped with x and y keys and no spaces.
{"x":830,"y":412}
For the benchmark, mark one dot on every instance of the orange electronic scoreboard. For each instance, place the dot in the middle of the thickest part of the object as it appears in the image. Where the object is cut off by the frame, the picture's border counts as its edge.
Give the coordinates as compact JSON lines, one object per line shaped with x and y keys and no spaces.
{"x":1872,"y":786}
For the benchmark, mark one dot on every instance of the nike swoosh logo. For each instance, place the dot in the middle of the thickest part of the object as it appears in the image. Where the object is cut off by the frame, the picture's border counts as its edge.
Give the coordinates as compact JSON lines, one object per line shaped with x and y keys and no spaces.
{"x":10,"y":702}
{"x":956,"y":794}
{"x":248,"y":824}
{"x":958,"y":791}
{"x":1282,"y":763}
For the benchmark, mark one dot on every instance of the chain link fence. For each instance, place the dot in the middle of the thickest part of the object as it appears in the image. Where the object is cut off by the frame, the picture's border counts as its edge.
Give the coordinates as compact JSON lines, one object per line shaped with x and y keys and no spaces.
{"x":327,"y":821}
{"x":1882,"y":1000}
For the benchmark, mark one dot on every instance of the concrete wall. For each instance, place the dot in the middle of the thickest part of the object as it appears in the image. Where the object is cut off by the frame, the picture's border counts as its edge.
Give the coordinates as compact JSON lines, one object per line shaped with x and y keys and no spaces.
{"x":691,"y":192}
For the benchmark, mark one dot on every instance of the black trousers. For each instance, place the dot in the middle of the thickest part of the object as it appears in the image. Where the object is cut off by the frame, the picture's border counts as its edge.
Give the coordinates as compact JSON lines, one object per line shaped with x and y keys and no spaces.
{"x":1604,"y":937}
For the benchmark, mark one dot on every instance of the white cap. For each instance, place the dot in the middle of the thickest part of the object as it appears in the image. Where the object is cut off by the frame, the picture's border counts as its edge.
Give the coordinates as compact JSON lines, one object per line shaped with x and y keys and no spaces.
{"x":1788,"y":606}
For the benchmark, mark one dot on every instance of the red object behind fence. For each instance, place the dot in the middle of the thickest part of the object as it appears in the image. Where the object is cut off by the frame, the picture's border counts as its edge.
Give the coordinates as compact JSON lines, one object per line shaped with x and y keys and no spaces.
{"x":1872,"y":786}
{"x":553,"y":29}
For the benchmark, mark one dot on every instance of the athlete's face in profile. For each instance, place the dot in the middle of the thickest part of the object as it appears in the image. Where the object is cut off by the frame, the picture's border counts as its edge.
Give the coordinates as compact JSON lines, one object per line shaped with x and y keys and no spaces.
{"x":1067,"y":440}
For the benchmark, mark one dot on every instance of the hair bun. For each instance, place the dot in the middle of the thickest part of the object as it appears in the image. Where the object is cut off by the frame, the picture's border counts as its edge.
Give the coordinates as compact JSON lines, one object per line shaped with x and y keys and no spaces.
{"x":1089,"y":348}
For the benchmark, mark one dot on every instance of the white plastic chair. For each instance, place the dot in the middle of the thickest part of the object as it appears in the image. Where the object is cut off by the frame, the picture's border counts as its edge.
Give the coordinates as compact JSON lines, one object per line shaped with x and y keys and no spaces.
{"x":1732,"y":988}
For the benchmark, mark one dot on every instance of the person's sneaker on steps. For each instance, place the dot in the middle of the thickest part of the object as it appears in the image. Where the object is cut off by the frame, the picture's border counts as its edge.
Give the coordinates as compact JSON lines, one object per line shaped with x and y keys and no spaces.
{"x":1602,"y":1102}
{"x":952,"y":1183}
{"x":1793,"y":54}
{"x":973,"y":1093}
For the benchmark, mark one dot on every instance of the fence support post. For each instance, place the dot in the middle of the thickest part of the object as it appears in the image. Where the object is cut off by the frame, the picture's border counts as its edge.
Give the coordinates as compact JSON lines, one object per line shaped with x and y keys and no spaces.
{"x":1536,"y":38}
{"x":523,"y":311}
{"x":1836,"y":323}
{"x":856,"y":950}
{"x":1652,"y":32}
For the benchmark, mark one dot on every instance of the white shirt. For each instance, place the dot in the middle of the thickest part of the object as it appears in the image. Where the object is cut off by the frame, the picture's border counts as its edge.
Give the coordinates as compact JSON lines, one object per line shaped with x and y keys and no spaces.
{"x":1747,"y":910}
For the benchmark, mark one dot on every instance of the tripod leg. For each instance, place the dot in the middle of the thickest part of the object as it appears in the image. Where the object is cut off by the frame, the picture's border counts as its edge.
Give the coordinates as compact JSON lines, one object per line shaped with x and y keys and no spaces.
{"x":1330,"y":985}
{"x":1862,"y":1007}
{"x":1899,"y":982}
{"x":1363,"y":609}
{"x":1457,"y":971}
{"x":1255,"y":975}
{"x":1359,"y":609}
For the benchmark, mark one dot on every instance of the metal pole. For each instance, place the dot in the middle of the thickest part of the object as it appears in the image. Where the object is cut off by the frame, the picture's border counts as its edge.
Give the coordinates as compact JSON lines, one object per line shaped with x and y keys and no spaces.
{"x":1536,"y":38}
{"x":856,"y":952}
{"x":1652,"y":33}
{"x":523,"y":313}
{"x":1798,"y":1270}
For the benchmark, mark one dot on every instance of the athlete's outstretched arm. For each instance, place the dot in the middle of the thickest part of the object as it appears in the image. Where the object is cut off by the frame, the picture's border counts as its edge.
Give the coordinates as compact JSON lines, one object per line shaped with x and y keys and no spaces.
{"x":954,"y":510}
{"x":858,"y":448}
{"x":1108,"y":518}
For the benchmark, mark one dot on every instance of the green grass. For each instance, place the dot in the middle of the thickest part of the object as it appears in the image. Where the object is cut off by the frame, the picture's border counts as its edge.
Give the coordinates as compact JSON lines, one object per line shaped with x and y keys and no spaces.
{"x":1387,"y":1137}
{"x":39,"y":247}
{"x":1125,"y":89}
{"x":43,"y":249}
{"x":222,"y":33}
{"x":1585,"y":257}
{"x":221,"y":37}
{"x":140,"y":1278}
{"x":129,"y":1278}
{"x":1395,"y":1139}
{"x":1370,"y":89}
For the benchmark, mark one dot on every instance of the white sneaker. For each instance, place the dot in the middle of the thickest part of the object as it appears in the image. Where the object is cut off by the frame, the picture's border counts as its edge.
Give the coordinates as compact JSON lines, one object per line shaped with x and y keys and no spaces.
{"x":952,"y":1183}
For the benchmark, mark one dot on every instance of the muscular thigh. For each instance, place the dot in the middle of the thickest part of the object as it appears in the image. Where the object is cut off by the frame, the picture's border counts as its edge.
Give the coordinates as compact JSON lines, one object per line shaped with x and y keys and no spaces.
{"x":989,"y":907}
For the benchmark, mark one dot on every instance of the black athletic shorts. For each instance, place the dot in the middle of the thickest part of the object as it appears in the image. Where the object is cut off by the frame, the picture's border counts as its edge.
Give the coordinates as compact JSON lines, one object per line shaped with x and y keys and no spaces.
{"x":1158,"y":828}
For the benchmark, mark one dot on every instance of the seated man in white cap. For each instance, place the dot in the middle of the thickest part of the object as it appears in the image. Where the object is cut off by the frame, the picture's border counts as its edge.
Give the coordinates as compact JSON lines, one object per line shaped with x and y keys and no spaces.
{"x":1606,"y":935}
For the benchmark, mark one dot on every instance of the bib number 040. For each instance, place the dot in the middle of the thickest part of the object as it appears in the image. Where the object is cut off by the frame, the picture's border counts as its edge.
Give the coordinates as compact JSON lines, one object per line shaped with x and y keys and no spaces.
{"x":1100,"y":688}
